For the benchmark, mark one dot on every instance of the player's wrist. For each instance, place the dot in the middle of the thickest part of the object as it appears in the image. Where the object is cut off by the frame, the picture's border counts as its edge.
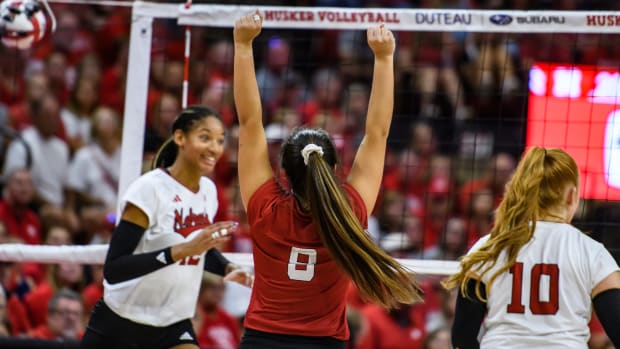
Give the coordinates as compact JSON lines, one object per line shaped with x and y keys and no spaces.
{"x":230,"y":267}
{"x":178,"y":252}
{"x":384,"y":57}
{"x":243,"y":46}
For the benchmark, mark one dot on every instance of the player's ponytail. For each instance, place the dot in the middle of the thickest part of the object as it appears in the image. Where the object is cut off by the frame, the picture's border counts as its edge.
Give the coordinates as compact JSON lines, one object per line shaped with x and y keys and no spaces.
{"x":536,"y":187}
{"x":377,"y":275}
{"x":187,"y":118}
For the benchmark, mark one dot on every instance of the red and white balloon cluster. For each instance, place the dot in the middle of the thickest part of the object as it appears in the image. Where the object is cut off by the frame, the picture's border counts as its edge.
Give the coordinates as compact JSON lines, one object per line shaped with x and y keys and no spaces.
{"x":25,"y":22}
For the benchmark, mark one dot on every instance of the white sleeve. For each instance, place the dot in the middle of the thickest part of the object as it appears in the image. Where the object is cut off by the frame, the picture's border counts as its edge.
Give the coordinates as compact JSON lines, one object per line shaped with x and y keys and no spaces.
{"x":15,"y":158}
{"x":601,"y":263}
{"x":474,"y":248}
{"x":479,"y":243}
{"x":142,"y":194}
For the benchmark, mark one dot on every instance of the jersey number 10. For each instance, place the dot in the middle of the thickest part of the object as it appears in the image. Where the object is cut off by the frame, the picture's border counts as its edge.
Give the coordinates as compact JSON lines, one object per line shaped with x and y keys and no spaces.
{"x":537,"y":307}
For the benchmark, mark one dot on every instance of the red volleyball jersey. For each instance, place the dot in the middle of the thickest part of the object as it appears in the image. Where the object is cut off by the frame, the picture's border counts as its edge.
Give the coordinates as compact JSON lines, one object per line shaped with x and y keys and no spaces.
{"x":298,"y":289}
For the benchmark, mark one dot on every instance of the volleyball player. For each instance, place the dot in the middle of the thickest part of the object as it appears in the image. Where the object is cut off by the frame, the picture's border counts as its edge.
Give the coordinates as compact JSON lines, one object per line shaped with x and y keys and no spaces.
{"x":157,"y":257}
{"x":310,"y":241}
{"x":532,"y":282}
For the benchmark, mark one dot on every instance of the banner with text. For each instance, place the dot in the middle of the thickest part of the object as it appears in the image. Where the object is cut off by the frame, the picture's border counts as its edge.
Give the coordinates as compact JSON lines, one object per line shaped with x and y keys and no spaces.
{"x":407,"y":19}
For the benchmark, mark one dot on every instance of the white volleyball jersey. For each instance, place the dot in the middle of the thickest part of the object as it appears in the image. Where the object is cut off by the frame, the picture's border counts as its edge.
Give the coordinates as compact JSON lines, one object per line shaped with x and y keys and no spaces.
{"x":176,"y":214}
{"x":544,"y":301}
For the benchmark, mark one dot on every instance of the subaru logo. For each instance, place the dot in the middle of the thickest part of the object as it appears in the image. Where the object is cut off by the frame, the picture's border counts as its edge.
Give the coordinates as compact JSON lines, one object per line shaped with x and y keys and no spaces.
{"x":500,"y":19}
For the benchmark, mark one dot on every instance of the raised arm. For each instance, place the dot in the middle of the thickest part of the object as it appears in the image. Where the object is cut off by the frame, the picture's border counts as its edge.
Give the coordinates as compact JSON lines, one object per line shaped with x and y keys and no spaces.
{"x":254,"y":168}
{"x":367,"y":170}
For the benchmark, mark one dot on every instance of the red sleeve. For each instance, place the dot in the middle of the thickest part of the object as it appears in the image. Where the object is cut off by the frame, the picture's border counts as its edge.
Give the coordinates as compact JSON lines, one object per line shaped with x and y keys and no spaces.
{"x":262,"y":200}
{"x":91,"y":294}
{"x":36,"y":303}
{"x":17,"y":316}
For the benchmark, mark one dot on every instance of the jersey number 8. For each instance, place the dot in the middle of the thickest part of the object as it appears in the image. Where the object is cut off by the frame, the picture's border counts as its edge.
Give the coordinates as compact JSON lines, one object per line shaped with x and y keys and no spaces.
{"x":307,"y":273}
{"x":537,"y":306}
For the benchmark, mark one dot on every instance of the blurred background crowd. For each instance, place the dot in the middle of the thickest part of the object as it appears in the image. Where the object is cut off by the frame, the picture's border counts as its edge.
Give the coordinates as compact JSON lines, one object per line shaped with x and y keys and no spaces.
{"x":458,"y":131}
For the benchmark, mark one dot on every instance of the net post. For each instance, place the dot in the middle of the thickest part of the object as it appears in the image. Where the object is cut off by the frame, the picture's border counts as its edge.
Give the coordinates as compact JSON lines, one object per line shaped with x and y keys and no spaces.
{"x":136,"y":92}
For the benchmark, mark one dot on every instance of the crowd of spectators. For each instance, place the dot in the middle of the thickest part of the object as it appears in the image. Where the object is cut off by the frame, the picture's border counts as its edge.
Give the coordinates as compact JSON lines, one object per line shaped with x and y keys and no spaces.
{"x":458,"y":130}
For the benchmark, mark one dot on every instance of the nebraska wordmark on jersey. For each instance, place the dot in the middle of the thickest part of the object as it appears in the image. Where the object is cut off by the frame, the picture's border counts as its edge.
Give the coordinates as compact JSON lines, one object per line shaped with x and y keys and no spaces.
{"x":175,"y":214}
{"x":544,"y":301}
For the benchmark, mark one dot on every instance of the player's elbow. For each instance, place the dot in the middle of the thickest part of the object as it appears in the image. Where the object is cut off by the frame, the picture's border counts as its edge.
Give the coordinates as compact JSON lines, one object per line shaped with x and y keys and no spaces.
{"x":109,"y":273}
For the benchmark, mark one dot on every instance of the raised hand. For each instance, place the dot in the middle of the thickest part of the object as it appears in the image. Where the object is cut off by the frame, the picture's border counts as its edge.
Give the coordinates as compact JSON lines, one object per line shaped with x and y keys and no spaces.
{"x":247,"y":28}
{"x":205,"y":240}
{"x":381,"y":41}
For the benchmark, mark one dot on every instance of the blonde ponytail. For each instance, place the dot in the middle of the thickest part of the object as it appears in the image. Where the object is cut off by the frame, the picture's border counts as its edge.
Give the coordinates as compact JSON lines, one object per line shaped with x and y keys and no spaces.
{"x":536,"y":186}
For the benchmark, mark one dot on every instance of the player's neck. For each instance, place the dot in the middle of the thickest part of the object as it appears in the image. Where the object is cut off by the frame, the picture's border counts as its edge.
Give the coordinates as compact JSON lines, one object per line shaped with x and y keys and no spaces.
{"x":556,"y":217}
{"x":185,"y":176}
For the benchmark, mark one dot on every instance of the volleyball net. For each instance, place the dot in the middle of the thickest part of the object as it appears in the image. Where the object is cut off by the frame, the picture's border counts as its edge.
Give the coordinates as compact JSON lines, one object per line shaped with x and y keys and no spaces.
{"x":474,"y":89}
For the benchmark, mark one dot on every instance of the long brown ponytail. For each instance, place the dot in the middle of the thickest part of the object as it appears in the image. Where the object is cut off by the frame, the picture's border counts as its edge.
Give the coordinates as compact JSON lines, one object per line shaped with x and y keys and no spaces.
{"x":378,"y":276}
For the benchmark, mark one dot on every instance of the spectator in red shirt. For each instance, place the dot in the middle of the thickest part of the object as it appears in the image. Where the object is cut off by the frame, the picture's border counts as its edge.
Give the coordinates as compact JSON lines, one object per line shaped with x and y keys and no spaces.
{"x":64,"y":275}
{"x":37,"y":86}
{"x":401,"y":328}
{"x":21,"y":221}
{"x":327,"y":91}
{"x":11,"y":80}
{"x":480,"y":215}
{"x":452,"y":243}
{"x":219,"y":64}
{"x":64,"y":317}
{"x":217,"y":95}
{"x":280,"y":84}
{"x":439,"y":203}
{"x":162,"y":115}
{"x":112,"y":89}
{"x":496,"y":176}
{"x":215,"y":328}
{"x":94,"y":291}
{"x":408,"y":177}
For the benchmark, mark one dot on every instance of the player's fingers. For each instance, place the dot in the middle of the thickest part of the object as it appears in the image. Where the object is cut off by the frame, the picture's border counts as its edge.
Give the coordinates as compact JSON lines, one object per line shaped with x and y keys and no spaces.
{"x":247,"y":20}
{"x":220,"y":229}
{"x":256,"y":17}
{"x":370,"y":34}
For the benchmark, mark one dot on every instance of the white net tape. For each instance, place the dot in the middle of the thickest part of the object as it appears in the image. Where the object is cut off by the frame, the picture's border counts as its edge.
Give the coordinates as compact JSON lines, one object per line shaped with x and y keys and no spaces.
{"x":95,"y":254}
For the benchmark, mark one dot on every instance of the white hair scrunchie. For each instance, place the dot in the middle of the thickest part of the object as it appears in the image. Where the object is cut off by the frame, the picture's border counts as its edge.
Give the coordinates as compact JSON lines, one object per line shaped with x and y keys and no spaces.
{"x":309,"y":149}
